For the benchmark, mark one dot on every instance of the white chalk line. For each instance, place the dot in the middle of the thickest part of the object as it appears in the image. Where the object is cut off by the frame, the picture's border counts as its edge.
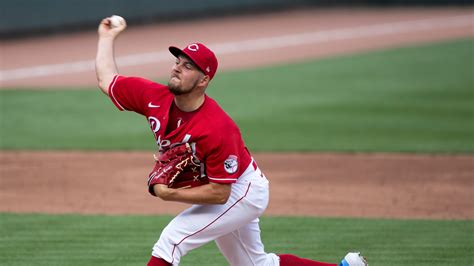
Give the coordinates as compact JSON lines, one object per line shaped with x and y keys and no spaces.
{"x":251,"y":45}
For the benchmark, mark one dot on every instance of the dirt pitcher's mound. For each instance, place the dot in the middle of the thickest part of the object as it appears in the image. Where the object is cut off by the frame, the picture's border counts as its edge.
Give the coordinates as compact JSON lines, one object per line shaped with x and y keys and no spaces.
{"x":357,"y":185}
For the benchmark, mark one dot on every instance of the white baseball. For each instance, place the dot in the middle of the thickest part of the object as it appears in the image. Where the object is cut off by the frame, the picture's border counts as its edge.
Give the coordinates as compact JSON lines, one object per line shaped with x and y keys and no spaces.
{"x":116,"y":21}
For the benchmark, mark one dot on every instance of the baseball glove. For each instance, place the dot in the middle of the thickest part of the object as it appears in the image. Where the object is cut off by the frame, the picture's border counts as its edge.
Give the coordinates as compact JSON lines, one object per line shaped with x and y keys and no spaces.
{"x":176,"y":168}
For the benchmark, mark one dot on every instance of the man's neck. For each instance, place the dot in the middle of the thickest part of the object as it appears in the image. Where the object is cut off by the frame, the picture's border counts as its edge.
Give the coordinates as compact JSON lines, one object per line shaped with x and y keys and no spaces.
{"x":188,"y":103}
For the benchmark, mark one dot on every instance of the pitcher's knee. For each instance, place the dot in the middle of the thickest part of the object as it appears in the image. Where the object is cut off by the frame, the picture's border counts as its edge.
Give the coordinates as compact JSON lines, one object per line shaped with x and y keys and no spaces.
{"x":166,"y":249}
{"x":271,"y":260}
{"x":267,"y":259}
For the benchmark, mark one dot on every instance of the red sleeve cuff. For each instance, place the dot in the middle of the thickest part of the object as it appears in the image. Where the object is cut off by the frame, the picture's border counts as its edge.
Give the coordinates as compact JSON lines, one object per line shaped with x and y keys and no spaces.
{"x":111,"y":94}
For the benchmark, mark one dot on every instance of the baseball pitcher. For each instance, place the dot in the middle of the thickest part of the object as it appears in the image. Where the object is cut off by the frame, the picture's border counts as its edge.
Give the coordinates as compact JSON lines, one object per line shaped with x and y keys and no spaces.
{"x":201,"y":160}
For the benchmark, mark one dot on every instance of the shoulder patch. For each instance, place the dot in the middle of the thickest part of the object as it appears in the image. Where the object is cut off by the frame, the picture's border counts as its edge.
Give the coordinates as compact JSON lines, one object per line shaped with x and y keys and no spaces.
{"x":231,"y":164}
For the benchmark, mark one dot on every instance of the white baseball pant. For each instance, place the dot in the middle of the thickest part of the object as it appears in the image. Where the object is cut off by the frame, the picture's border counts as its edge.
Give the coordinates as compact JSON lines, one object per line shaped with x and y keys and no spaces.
{"x":233,"y":226}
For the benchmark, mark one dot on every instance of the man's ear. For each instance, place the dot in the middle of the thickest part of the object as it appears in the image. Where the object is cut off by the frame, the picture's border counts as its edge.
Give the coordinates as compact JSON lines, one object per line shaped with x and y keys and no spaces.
{"x":205,"y":80}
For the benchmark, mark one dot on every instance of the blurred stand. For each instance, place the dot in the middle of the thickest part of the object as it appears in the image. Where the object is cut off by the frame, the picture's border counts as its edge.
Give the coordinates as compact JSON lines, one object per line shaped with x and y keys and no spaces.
{"x":25,"y":18}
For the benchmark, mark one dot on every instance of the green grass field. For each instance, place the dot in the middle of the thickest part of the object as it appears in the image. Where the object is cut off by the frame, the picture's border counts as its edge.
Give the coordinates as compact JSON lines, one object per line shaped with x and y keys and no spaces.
{"x":415,"y":99}
{"x":63,"y":240}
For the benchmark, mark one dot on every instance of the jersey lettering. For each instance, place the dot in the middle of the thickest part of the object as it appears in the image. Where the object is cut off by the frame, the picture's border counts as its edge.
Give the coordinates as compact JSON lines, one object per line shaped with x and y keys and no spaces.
{"x":165,"y":143}
{"x":154,"y":124}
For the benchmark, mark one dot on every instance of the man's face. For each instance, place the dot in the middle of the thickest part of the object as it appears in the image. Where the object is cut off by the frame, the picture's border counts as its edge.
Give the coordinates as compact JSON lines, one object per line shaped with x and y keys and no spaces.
{"x":185,"y":75}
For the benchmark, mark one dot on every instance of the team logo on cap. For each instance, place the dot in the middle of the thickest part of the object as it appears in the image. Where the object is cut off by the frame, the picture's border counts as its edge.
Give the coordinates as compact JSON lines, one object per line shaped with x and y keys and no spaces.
{"x":231,"y":165}
{"x":193,"y":47}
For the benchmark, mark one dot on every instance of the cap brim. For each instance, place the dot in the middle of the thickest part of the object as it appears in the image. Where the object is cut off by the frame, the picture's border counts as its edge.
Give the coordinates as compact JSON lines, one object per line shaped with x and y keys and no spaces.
{"x":177,"y":52}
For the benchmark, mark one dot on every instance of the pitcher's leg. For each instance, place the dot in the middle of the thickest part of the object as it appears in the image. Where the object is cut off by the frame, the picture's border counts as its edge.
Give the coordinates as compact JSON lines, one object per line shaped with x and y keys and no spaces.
{"x":201,"y":224}
{"x":244,"y":247}
{"x":291,"y":260}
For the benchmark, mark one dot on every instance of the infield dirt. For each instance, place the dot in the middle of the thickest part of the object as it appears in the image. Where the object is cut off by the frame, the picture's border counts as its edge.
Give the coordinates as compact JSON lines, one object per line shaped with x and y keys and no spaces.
{"x":349,"y":185}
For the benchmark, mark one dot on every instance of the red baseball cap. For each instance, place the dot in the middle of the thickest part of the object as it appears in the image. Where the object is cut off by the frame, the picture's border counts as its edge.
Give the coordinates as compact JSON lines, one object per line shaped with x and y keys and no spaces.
{"x":202,"y":56}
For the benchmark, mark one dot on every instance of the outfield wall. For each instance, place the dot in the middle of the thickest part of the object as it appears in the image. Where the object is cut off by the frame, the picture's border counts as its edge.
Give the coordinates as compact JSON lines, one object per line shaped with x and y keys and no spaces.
{"x":20,"y":17}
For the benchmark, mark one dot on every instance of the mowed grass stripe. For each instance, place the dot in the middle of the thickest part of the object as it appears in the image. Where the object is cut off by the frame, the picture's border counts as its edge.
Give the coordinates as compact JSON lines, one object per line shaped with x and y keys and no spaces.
{"x":39,"y":239}
{"x":410,"y":99}
{"x":413,"y":99}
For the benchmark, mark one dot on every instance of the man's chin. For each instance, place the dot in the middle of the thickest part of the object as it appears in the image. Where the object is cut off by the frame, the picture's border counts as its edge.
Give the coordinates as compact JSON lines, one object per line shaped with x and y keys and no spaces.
{"x":172,"y":87}
{"x":175,"y":90}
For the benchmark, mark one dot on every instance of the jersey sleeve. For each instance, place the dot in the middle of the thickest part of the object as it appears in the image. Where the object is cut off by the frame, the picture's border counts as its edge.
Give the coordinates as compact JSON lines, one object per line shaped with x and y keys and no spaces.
{"x":225,"y":162}
{"x":129,"y":93}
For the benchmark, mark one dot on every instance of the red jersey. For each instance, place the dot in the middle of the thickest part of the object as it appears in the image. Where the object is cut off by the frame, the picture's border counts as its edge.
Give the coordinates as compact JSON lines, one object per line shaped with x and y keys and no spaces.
{"x":215,"y":138}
